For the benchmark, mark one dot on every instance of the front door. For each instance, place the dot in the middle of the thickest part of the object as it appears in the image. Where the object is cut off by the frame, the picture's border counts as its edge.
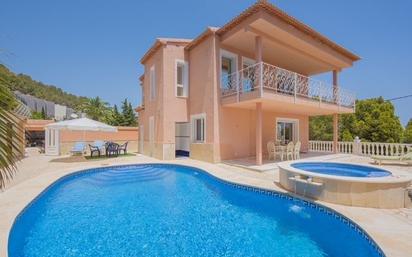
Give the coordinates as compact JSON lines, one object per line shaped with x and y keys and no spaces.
{"x":52,"y":140}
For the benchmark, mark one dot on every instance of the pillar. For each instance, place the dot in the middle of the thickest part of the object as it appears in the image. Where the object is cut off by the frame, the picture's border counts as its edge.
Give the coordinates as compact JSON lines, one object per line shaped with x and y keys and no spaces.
{"x":258,"y":133}
{"x":335,"y":86}
{"x":259,"y":59}
{"x":335,"y":132}
{"x":258,"y":49}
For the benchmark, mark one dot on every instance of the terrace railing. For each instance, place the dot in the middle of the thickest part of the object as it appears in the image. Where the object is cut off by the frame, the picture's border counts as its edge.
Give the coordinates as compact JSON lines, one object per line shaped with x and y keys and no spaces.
{"x":266,"y":77}
{"x":361,"y":148}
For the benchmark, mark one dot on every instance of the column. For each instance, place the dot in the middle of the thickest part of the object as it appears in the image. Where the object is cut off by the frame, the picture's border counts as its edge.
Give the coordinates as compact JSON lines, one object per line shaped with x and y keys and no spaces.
{"x":258,"y":49}
{"x":258,"y":133}
{"x":335,"y":86}
{"x":259,"y":59}
{"x":335,"y":132}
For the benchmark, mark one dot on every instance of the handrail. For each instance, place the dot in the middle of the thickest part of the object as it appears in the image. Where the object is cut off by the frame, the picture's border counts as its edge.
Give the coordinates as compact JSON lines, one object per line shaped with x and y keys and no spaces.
{"x":281,"y":81}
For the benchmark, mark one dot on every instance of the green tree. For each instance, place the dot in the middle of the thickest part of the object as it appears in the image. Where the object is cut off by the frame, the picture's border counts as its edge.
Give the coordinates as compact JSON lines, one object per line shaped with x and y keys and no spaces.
{"x":321,"y":128}
{"x":96,"y":109}
{"x":11,"y":132}
{"x":374,"y":120}
{"x":37,"y":116}
{"x":115,"y":117}
{"x":128,"y":114}
{"x":26,"y":85}
{"x":407,"y":135}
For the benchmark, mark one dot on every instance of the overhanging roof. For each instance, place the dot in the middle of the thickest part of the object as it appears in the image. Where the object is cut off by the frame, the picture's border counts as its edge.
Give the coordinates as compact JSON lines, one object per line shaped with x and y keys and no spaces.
{"x":272,"y":10}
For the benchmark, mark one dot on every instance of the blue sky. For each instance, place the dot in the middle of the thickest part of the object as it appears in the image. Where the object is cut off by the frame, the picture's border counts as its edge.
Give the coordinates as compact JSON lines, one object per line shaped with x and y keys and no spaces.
{"x":93,"y":47}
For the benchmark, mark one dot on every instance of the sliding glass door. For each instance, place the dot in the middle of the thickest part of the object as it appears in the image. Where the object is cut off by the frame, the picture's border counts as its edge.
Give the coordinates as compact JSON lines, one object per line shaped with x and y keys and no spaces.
{"x":286,"y":131}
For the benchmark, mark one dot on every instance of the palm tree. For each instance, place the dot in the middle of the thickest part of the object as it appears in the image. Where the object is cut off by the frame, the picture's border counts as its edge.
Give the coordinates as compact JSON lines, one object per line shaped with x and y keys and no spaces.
{"x":95,"y":108}
{"x":11,"y":135}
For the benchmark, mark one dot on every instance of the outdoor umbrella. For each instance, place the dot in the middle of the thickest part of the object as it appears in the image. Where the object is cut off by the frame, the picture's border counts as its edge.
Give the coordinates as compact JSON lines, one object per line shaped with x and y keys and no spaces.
{"x":83,"y":124}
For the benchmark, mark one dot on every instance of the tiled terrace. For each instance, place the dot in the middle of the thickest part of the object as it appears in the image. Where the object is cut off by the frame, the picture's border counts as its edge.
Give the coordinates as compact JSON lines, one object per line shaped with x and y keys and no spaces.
{"x":390,"y":228}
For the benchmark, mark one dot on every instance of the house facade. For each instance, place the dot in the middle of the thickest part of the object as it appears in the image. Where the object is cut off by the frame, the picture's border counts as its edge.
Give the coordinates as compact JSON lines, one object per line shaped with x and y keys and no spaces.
{"x":226,"y":93}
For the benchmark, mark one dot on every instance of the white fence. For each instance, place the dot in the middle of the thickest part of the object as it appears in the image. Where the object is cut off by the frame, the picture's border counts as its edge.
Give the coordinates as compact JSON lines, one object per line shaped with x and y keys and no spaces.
{"x":361,"y":148}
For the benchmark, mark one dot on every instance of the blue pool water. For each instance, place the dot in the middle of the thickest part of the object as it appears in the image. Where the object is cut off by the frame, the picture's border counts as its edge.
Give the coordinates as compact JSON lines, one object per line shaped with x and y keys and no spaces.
{"x":171,"y":210}
{"x":340,"y":169}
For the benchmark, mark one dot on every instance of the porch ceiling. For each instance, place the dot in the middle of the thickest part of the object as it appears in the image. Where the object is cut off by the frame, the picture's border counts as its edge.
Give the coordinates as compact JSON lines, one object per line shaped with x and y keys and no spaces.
{"x":284,"y":46}
{"x":286,"y":105}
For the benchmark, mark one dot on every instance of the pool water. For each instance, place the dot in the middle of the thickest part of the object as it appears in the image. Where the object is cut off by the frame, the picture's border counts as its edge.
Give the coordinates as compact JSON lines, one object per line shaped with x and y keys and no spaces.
{"x":171,"y":210}
{"x":341,"y":169}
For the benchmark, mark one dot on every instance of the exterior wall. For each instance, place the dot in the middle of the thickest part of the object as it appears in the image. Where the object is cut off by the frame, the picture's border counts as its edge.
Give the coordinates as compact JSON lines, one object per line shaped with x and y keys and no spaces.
{"x":238,"y":131}
{"x":153,"y":107}
{"x":69,"y":137}
{"x":230,"y":132}
{"x":167,"y":108}
{"x":203,"y":97}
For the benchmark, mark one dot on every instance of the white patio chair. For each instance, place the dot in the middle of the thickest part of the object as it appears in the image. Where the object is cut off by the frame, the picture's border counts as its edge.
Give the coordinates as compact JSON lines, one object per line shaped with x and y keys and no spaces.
{"x":290,"y":150}
{"x":271,"y":150}
{"x":279,"y":150}
{"x":297,"y":150}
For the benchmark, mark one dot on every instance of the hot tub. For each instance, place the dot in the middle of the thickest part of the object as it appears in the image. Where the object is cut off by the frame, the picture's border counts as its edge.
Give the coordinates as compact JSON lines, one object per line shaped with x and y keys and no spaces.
{"x":342,"y":169}
{"x":344,"y":183}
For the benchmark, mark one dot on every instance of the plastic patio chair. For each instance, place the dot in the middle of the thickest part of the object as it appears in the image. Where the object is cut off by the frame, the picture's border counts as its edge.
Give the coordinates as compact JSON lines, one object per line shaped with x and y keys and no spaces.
{"x":271,"y":150}
{"x":290,"y":150}
{"x":296,"y":154}
{"x":123,"y":148}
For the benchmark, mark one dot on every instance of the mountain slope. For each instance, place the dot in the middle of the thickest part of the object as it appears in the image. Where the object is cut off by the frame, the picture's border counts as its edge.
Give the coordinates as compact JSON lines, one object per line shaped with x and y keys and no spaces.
{"x":27,"y":85}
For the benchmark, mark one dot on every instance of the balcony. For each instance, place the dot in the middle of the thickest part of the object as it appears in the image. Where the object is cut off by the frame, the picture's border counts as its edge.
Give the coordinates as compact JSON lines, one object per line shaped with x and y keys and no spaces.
{"x":265,"y":82}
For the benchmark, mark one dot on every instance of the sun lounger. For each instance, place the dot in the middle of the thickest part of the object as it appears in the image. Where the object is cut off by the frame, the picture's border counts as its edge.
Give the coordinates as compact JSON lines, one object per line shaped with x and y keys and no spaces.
{"x":406,"y":158}
{"x":78,"y":148}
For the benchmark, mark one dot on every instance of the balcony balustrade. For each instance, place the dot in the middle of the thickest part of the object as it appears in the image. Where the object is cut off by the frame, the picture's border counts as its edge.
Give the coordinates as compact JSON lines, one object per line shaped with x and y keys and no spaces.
{"x":263,"y":77}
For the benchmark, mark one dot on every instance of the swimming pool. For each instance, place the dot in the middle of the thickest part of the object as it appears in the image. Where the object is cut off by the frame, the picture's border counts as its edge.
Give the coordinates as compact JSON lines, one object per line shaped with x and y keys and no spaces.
{"x":341,"y":169}
{"x":172,"y":210}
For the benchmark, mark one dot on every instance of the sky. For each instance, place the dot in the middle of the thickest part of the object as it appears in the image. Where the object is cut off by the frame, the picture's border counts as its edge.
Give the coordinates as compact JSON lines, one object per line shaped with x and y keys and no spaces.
{"x":92,"y":48}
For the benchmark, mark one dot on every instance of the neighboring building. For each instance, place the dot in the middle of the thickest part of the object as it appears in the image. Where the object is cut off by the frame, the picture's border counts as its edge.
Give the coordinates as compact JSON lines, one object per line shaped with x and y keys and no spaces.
{"x":226,"y":93}
{"x":60,"y":112}
{"x":52,"y":110}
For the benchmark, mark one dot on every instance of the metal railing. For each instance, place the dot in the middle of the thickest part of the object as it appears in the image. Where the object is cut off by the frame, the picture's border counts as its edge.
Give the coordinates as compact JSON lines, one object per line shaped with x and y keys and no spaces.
{"x":264,"y":76}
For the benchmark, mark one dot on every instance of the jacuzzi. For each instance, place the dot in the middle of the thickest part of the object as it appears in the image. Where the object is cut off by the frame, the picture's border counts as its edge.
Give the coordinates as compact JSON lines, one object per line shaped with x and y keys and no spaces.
{"x":346,"y":184}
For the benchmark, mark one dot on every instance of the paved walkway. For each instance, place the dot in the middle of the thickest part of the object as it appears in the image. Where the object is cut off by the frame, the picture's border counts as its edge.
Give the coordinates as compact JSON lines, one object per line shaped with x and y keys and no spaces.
{"x":392,"y":229}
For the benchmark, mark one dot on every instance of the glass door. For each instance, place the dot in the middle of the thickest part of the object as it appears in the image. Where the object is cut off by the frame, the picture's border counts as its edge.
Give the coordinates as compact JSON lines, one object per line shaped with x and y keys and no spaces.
{"x":285,"y":131}
{"x":248,"y":75}
{"x":228,"y":69}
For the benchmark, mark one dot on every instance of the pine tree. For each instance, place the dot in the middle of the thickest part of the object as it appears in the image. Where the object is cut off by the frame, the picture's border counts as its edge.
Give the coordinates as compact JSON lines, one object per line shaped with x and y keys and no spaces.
{"x":128,"y":115}
{"x":117,"y":117}
{"x":43,"y":114}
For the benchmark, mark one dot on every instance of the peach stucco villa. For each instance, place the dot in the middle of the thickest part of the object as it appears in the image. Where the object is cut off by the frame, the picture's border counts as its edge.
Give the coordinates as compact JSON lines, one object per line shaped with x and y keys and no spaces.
{"x":226,"y":93}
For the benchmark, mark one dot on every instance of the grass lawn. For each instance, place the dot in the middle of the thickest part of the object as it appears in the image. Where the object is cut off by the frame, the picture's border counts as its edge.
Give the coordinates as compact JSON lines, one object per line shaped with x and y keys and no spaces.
{"x":104,"y":157}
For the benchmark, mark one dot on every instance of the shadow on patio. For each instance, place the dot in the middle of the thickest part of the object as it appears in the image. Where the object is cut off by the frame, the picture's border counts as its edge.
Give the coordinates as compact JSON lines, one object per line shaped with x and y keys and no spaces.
{"x":267,"y":165}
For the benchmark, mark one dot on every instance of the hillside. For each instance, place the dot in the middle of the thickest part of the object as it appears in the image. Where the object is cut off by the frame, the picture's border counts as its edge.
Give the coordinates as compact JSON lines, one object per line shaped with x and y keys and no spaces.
{"x":27,"y":85}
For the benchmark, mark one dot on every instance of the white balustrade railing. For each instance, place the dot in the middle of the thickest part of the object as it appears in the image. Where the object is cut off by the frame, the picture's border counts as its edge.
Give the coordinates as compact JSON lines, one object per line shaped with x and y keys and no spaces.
{"x":321,"y":146}
{"x":281,"y":81}
{"x":345,"y":147}
{"x":361,"y":148}
{"x":383,"y":149}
